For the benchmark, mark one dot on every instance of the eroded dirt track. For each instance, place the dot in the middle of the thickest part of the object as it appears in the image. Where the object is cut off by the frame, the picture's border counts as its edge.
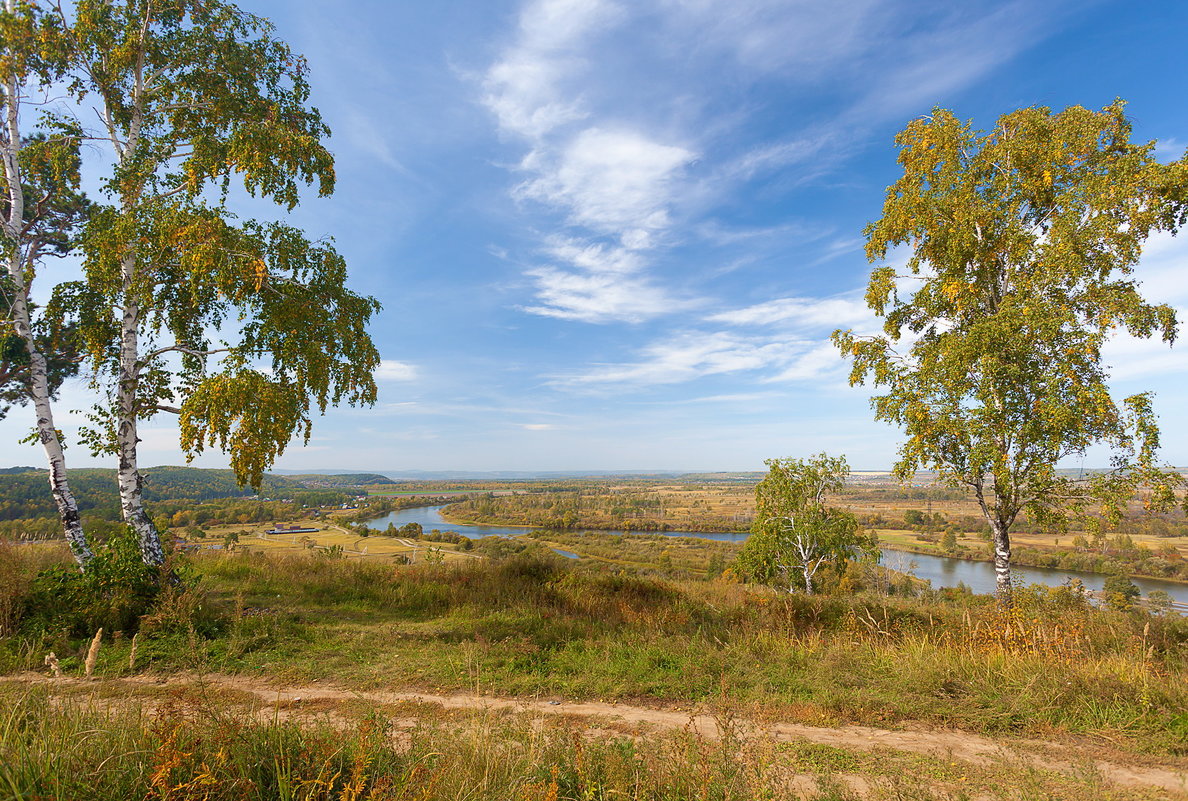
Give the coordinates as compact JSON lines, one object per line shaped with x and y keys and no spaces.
{"x":937,"y":743}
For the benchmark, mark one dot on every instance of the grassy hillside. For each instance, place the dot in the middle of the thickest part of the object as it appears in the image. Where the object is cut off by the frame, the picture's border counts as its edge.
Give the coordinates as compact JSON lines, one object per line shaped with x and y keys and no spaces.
{"x":269,"y":674}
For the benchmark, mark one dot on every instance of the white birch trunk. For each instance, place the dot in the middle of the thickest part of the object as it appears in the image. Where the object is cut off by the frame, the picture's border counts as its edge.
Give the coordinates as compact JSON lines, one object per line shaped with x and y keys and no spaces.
{"x":807,"y":565}
{"x":1001,"y":540}
{"x":47,"y":433}
{"x":127,"y":439}
{"x":1002,"y":561}
{"x":127,"y":381}
{"x":22,"y":326}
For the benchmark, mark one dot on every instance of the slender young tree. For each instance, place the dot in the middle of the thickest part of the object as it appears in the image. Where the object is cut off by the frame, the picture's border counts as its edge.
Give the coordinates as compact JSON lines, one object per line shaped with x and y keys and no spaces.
{"x":796,"y":532}
{"x":41,"y":210}
{"x":1022,"y":241}
{"x":241,"y":328}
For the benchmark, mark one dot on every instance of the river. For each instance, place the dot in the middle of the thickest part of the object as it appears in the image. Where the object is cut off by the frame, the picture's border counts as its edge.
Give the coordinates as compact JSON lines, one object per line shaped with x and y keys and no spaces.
{"x":942,"y":571}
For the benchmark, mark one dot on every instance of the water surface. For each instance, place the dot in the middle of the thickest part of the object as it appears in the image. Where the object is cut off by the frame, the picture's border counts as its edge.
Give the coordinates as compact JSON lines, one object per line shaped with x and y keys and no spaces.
{"x":942,"y":571}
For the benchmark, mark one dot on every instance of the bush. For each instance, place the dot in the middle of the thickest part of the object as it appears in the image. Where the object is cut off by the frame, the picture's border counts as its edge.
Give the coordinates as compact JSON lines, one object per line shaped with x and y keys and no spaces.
{"x":1120,"y":591}
{"x":114,"y":592}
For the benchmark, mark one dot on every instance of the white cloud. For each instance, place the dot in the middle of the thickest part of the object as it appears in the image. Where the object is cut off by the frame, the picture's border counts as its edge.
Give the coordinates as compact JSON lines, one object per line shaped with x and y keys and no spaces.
{"x":804,"y":312}
{"x":595,"y":257}
{"x":820,"y":361}
{"x":538,"y":426}
{"x":621,"y":180}
{"x":1160,"y":274}
{"x":606,"y":180}
{"x":524,"y":89}
{"x":689,"y":356}
{"x":600,"y":297}
{"x":615,"y":182}
{"x":392,"y":370}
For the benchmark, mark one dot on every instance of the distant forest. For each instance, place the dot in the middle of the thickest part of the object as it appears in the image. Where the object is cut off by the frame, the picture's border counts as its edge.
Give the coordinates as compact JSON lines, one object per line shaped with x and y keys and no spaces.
{"x":25,"y":494}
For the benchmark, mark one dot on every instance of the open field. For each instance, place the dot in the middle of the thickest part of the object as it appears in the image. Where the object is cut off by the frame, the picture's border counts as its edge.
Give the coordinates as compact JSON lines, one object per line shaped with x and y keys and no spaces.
{"x":252,"y":537}
{"x":531,"y":626}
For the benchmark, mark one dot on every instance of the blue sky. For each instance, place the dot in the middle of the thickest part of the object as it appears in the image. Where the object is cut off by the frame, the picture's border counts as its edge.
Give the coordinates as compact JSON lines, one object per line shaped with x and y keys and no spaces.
{"x":616,"y":235}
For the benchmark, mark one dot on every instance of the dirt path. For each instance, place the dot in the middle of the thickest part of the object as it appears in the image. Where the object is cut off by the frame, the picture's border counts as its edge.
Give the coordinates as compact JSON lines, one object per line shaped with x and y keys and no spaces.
{"x":938,"y":743}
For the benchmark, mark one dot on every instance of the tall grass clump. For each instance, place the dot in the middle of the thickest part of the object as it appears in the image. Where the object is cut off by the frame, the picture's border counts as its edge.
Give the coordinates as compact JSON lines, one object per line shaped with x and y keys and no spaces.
{"x":119,"y":751}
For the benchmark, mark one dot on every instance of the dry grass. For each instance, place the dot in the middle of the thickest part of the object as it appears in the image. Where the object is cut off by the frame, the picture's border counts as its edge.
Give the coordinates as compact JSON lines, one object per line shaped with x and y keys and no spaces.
{"x":212,"y":746}
{"x":253,"y":538}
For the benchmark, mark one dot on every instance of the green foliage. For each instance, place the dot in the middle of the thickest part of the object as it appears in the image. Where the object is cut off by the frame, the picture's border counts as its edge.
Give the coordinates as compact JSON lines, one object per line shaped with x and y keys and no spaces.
{"x":1022,"y":241}
{"x":1120,"y":591}
{"x":196,"y":94}
{"x":25,"y":493}
{"x":795,"y":533}
{"x":57,"y":344}
{"x":116,"y":590}
{"x":45,"y":161}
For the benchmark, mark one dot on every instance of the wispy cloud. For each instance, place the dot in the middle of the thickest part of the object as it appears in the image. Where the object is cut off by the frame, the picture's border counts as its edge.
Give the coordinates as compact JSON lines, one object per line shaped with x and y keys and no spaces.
{"x":819,"y":361}
{"x":367,"y":136}
{"x":525,"y":88}
{"x":686,"y":357}
{"x":607,"y":181}
{"x":838,"y":311}
{"x":392,"y":370}
{"x":599,"y":283}
{"x":1170,"y":149}
{"x":907,"y":59}
{"x":616,"y":182}
{"x":600,"y":297}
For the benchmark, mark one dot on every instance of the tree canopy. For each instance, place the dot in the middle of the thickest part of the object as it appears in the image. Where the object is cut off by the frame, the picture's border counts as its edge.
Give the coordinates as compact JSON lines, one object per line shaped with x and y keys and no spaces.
{"x":795,"y":532}
{"x":240,"y":327}
{"x":1021,"y":244}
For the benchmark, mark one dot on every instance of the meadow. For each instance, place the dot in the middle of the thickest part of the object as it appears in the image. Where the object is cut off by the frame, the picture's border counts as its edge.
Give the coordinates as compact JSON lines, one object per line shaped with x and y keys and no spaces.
{"x":312,"y":665}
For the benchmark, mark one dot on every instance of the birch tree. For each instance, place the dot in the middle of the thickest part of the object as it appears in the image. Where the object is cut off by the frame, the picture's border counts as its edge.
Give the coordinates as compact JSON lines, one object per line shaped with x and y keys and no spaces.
{"x":795,"y":532}
{"x":40,"y":211}
{"x":241,"y":328}
{"x":1021,"y":245}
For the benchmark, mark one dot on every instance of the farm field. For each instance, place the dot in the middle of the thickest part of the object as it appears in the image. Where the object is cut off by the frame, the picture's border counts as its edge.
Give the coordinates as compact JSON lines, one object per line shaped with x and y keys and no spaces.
{"x":252,"y":538}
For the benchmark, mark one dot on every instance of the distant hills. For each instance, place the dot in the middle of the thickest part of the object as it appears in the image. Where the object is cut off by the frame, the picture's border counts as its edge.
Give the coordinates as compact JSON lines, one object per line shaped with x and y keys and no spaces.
{"x":513,"y":475}
{"x":24,"y":491}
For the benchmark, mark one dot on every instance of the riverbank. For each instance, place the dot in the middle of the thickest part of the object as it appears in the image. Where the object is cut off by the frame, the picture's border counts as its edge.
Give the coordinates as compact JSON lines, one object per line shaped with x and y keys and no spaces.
{"x":1023,"y":557}
{"x":970,"y":549}
{"x":941,"y":571}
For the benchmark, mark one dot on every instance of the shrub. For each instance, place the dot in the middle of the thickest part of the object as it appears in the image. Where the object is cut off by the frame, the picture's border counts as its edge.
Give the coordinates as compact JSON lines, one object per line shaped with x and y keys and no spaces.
{"x":114,"y":592}
{"x":1120,"y":591}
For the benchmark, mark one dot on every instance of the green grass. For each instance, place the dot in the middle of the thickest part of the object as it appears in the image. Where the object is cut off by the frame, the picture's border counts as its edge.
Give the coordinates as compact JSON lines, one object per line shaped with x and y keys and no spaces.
{"x":532,"y":627}
{"x":71,"y":742}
